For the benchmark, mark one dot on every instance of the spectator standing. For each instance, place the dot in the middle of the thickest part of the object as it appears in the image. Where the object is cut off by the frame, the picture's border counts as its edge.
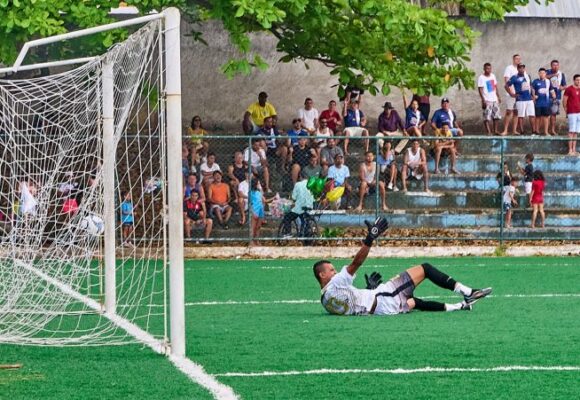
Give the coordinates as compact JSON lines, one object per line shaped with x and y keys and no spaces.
{"x":507,"y":175}
{"x":509,"y":200}
{"x":309,"y":116}
{"x":510,"y":102}
{"x":571,"y":104}
{"x":522,"y":93}
{"x":127,"y":218}
{"x":368,"y":181}
{"x":354,"y":122}
{"x":243,"y":194}
{"x":196,"y":134}
{"x":333,"y":117}
{"x":257,"y":205}
{"x":424,"y":107}
{"x":388,"y":166}
{"x":537,"y":198}
{"x":255,"y":158}
{"x":415,"y":165}
{"x":558,"y":81}
{"x":543,"y":95}
{"x":194,"y":215}
{"x":490,"y":101}
{"x":219,"y":199}
{"x":414,"y":119}
{"x":256,"y":112}
{"x":340,"y":174}
{"x":528,"y":172}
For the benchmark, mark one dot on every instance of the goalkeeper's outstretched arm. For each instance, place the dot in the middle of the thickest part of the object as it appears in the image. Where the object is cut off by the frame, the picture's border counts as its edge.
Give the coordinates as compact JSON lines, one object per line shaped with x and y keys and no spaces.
{"x":374,"y":231}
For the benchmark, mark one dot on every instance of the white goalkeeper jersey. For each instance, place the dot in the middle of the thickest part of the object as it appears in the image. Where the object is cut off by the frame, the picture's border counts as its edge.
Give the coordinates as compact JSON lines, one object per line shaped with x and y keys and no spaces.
{"x":340,"y":297}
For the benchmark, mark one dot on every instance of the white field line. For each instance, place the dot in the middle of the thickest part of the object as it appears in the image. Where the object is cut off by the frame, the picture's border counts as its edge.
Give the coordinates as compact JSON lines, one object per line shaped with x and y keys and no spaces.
{"x":402,"y":371}
{"x":194,"y":371}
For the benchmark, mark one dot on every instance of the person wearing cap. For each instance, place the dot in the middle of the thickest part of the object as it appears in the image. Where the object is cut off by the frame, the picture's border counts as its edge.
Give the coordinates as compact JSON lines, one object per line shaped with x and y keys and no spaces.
{"x":354,"y":121}
{"x":510,"y":102}
{"x":256,"y":112}
{"x":340,"y":174}
{"x":490,"y":101}
{"x":446,"y":114}
{"x":328,"y":153}
{"x":219,"y":199}
{"x":519,"y":88}
{"x":390,"y":123}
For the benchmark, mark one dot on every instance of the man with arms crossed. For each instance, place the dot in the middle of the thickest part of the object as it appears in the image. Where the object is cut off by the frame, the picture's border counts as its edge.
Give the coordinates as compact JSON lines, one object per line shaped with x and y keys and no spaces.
{"x":340,"y":297}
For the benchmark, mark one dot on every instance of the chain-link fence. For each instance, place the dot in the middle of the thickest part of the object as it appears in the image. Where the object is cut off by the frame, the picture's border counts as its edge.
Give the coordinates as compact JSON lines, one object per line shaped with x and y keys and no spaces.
{"x":478,"y":191}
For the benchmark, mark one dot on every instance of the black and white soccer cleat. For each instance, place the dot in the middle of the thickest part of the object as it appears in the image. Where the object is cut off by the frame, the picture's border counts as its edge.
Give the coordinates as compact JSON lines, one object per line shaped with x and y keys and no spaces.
{"x":476,"y":295}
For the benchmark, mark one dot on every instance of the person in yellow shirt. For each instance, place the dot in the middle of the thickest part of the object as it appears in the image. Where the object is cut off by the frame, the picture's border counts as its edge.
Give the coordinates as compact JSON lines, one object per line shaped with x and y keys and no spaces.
{"x":445,"y":146}
{"x":256,"y":112}
{"x":196,"y":133}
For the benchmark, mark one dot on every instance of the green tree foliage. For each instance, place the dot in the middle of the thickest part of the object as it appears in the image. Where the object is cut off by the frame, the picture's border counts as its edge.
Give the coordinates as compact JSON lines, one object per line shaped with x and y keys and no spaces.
{"x":372,"y":44}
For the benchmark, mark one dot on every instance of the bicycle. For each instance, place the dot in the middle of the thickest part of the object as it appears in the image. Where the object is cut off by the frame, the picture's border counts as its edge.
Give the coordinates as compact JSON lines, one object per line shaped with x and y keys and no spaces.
{"x":306,"y":232}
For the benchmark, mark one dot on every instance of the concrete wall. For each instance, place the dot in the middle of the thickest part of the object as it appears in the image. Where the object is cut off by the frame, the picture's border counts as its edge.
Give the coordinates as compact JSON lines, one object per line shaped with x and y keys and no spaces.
{"x":221,"y":102}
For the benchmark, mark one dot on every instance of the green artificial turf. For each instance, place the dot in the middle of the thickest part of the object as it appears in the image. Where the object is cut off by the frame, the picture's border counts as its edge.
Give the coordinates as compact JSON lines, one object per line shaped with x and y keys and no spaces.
{"x":227,"y":338}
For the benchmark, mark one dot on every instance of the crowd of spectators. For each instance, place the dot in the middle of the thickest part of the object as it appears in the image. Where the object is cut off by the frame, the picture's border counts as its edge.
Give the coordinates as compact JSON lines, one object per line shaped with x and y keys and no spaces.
{"x":318,"y":143}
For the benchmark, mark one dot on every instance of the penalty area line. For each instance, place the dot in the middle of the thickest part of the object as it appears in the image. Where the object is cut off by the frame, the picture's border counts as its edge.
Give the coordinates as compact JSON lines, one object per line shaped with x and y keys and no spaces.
{"x":193,"y":371}
{"x":403,"y":371}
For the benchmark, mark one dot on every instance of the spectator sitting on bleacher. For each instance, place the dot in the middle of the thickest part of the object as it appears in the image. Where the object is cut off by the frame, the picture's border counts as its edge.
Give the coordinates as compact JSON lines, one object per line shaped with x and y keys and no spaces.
{"x":444,"y":146}
{"x":354,"y":121}
{"x":207,"y":170}
{"x":446,"y":114}
{"x":390,"y":123}
{"x":219,"y":199}
{"x":275,"y":147}
{"x":236,"y":173}
{"x":296,"y":132}
{"x":328,"y":153}
{"x":312,"y":169}
{"x":255,"y":157}
{"x":340,"y":174}
{"x":333,"y":117}
{"x":415,"y":165}
{"x":193,"y":186}
{"x":255,"y":114}
{"x":321,"y":135}
{"x":388,"y":166}
{"x":196,"y":134}
{"x":194,"y":215}
{"x":299,"y":157}
{"x":309,"y":116}
{"x":368,"y":181}
{"x":414,"y":119}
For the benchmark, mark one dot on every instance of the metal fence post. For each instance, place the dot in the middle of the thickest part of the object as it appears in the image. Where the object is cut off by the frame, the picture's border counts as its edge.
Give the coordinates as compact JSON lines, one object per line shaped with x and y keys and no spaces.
{"x":501,"y":189}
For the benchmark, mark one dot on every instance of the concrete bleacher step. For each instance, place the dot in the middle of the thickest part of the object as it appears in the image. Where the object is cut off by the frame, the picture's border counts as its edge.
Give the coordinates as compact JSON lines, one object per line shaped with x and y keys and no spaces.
{"x":473,"y":199}
{"x":523,"y":232}
{"x":491,"y":163}
{"x":463,"y":218}
{"x":520,"y":145}
{"x":487,"y":181}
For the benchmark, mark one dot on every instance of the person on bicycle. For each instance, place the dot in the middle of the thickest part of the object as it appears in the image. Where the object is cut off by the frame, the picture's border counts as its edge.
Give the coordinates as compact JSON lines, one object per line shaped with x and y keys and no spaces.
{"x":303,"y":201}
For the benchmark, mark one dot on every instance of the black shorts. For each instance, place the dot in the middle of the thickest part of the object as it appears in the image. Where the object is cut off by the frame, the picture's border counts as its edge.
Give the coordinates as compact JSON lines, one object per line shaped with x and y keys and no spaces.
{"x":425,"y":110}
{"x":543,"y":111}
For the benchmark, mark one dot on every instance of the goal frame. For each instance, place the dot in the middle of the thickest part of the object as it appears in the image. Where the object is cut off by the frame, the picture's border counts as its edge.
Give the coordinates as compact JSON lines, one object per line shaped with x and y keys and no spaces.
{"x":171,"y":24}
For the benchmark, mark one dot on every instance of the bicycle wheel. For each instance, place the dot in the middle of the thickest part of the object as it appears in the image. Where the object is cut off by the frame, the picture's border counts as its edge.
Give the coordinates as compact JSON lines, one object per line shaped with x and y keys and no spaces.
{"x":310,"y":231}
{"x":286,"y":231}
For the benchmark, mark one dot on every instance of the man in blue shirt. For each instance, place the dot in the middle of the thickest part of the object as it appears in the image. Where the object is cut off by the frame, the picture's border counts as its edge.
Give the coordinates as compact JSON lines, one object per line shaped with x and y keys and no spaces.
{"x":558,"y":80}
{"x":523,"y":94}
{"x":446,"y":115}
{"x":354,"y":121}
{"x":542,"y":92}
{"x":340,"y":173}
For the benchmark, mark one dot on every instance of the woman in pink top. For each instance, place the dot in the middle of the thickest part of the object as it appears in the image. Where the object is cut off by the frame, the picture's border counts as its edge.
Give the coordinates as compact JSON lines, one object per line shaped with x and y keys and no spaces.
{"x":537,"y":197}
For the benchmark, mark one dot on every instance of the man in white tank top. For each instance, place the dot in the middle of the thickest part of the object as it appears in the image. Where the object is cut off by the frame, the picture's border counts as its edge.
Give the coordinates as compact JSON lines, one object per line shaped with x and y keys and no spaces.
{"x":341,"y":297}
{"x":415,"y":165}
{"x":368,"y":181}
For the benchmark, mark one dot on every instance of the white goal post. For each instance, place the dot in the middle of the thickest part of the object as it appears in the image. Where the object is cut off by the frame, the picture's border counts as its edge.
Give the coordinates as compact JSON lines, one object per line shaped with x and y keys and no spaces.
{"x":166,"y":96}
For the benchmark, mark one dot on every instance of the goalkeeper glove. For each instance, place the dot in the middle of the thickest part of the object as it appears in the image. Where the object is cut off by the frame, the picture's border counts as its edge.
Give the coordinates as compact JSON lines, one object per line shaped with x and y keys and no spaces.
{"x":375,"y":230}
{"x":374,"y":280}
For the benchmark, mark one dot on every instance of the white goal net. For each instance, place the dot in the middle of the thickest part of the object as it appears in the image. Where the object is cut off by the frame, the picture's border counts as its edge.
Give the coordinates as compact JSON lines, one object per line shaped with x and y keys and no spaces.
{"x":52,"y":274}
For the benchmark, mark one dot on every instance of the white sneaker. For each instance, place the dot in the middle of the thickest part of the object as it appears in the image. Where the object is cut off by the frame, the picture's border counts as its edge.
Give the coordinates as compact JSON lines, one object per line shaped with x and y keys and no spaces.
{"x":395,"y":189}
{"x":390,"y":186}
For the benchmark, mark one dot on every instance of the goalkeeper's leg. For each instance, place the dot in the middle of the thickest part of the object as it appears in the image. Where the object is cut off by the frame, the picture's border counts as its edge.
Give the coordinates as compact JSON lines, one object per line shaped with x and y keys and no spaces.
{"x":424,"y":305}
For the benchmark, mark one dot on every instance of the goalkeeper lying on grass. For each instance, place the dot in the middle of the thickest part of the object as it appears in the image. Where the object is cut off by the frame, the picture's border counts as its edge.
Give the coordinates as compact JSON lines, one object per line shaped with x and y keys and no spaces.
{"x":340,"y":297}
